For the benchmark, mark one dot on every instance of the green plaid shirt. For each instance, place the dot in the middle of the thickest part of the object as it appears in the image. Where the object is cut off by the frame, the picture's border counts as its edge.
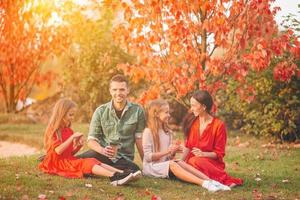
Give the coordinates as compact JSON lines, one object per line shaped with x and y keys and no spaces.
{"x":106,"y":127}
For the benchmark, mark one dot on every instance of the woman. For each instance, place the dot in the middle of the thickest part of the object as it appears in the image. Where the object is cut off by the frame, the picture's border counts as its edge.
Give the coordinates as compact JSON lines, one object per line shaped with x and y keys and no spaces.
{"x":159,"y":150}
{"x":206,"y":139}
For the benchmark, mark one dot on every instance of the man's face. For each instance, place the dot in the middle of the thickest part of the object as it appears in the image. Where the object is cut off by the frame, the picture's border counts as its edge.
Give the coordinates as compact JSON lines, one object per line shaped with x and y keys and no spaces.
{"x":118,"y":91}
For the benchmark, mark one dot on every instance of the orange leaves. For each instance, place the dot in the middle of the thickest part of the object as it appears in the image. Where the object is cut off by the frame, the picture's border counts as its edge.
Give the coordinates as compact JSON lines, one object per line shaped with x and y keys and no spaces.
{"x":189,"y":34}
{"x":26,"y":41}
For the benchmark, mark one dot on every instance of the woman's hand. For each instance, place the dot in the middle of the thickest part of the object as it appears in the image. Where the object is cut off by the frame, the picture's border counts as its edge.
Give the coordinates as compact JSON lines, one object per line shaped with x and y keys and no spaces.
{"x":197,"y":152}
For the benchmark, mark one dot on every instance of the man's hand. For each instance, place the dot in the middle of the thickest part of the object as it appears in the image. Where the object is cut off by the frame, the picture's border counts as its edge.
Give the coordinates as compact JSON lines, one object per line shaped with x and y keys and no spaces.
{"x":108,"y":151}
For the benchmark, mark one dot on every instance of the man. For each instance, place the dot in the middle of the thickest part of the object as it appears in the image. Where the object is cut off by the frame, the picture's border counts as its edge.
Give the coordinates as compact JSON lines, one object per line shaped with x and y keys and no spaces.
{"x":118,"y":123}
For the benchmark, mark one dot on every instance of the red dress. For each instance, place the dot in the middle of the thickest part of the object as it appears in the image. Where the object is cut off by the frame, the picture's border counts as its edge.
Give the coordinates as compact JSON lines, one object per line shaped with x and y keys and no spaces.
{"x":66,"y":164}
{"x":213,"y":139}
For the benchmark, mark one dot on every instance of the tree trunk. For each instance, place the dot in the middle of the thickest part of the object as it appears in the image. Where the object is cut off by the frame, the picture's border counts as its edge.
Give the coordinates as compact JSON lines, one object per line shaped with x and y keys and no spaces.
{"x":11,"y":100}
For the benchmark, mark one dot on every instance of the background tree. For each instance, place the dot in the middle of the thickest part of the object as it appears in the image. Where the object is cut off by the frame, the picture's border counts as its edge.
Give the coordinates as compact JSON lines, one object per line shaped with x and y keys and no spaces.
{"x":276,"y":109}
{"x":92,"y":58}
{"x":27,"y":37}
{"x":176,"y":43}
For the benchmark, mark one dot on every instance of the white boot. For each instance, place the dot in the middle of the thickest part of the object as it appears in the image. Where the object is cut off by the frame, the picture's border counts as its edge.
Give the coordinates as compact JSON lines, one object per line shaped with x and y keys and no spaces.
{"x":207,"y":184}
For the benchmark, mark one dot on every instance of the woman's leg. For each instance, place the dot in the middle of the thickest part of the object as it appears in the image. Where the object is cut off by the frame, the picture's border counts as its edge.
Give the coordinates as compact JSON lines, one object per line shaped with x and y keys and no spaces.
{"x":184,"y":175}
{"x":192,"y":170}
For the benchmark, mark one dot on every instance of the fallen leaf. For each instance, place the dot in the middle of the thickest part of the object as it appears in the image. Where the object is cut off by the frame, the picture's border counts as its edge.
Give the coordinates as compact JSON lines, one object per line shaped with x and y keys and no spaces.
{"x":18,"y":188}
{"x":69,"y":194}
{"x":17,"y":176}
{"x":274,"y":186}
{"x":147,"y":192}
{"x":269,"y":145}
{"x":271,"y":197}
{"x":42,"y":196}
{"x":86,"y":198}
{"x":244,"y":144}
{"x":285,"y":181}
{"x":25,"y":197}
{"x":256,"y":195}
{"x":154,"y":197}
{"x":120,"y":196}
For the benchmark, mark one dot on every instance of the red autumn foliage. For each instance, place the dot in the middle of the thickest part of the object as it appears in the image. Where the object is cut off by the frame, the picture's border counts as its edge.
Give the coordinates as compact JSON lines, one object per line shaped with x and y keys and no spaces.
{"x":175,"y":43}
{"x":26,"y":41}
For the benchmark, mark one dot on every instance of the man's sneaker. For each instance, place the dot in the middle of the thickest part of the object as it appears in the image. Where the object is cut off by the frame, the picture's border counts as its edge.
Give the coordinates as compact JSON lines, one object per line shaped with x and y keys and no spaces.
{"x":207,"y":184}
{"x":135,"y":174}
{"x":120,"y":178}
{"x":220,"y":185}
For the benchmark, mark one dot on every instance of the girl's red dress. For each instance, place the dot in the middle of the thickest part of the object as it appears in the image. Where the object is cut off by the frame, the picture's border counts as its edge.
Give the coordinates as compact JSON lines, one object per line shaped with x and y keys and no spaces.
{"x":213,"y":139}
{"x":66,"y":164}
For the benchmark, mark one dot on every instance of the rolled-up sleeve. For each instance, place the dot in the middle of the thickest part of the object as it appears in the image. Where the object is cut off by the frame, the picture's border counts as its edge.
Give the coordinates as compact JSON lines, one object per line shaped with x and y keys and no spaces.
{"x":147,"y":145}
{"x":221,"y":138}
{"x":95,"y":130}
{"x":140,"y":123}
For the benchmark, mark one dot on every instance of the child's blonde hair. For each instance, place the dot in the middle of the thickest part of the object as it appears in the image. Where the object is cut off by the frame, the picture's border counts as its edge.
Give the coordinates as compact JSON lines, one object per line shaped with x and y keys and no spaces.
{"x":152,"y":111}
{"x":60,"y":110}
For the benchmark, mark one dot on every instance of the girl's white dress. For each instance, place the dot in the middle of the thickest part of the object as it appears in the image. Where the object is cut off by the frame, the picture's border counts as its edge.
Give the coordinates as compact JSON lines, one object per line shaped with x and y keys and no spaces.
{"x":159,"y":168}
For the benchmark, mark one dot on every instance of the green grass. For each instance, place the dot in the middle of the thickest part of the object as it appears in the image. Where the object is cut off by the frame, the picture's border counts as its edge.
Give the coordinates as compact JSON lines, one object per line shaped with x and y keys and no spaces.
{"x":20,"y":178}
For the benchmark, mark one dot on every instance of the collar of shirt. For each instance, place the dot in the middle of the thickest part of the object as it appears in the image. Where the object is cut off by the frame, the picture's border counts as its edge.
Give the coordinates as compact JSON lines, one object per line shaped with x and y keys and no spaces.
{"x":112,"y":109}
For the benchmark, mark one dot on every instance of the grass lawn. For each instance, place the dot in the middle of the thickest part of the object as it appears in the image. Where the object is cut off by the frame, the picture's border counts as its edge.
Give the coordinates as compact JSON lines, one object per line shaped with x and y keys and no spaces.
{"x":269,"y":173}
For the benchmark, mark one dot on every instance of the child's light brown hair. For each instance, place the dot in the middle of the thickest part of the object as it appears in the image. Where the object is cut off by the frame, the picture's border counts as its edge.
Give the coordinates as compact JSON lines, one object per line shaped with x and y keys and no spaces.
{"x":61,"y":108}
{"x":152,"y":111}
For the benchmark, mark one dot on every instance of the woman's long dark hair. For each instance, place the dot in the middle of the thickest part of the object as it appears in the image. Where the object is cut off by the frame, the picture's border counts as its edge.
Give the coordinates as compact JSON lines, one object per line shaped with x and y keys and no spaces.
{"x":203,"y":97}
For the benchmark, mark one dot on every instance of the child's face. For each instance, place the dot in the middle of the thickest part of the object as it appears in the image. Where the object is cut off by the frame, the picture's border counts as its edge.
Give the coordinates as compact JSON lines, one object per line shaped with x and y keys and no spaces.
{"x":164,"y":114}
{"x":69,"y":116}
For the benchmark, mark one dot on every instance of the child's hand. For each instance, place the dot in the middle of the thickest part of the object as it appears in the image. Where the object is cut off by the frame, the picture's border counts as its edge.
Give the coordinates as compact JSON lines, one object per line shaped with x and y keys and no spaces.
{"x":81,"y":141}
{"x":78,"y":142}
{"x":173,"y":149}
{"x":180,"y":149}
{"x":77,"y":135}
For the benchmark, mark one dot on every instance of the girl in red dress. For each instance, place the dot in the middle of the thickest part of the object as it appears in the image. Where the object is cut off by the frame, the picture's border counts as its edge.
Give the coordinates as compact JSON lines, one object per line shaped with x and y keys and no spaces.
{"x":206,"y":140}
{"x":62,"y":144}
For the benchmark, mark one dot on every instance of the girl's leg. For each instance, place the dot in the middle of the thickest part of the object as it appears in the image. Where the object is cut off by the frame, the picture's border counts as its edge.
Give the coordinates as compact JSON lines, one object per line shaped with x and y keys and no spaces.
{"x":101,"y":171}
{"x":184,"y":175}
{"x":110,"y":168}
{"x":187,"y":176}
{"x":192,"y":170}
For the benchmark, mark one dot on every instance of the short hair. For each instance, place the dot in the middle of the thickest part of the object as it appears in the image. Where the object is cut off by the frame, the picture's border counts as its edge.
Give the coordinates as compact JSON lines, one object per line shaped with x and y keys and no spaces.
{"x":119,"y":78}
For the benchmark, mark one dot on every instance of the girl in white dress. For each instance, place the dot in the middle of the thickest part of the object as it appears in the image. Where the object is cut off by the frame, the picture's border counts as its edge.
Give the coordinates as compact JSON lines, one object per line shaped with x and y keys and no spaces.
{"x":159,"y":151}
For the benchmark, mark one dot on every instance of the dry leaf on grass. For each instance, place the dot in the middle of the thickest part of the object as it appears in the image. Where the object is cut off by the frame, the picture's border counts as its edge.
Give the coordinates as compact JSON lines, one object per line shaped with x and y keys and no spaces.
{"x":120,"y":196}
{"x":42,"y":197}
{"x":154,"y":197}
{"x":88,"y":185}
{"x":256,"y":195}
{"x":25,"y":197}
